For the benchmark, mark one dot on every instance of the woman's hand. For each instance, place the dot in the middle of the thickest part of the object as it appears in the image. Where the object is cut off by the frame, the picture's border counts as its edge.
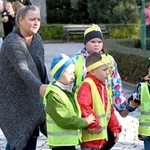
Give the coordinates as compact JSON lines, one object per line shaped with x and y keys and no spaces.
{"x":43,"y":89}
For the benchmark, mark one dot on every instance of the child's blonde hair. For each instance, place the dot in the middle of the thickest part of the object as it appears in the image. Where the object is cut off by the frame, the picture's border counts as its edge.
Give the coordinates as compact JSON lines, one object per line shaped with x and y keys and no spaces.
{"x":11,"y":11}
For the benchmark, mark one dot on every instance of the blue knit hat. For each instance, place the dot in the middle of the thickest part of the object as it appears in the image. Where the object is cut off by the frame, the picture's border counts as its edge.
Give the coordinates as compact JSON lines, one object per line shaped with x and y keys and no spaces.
{"x":59,"y":64}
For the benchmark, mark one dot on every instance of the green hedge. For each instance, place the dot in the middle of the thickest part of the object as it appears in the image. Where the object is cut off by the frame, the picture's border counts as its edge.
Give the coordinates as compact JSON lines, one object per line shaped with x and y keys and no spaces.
{"x":125,"y":30}
{"x":54,"y":31}
{"x":51,"y":31}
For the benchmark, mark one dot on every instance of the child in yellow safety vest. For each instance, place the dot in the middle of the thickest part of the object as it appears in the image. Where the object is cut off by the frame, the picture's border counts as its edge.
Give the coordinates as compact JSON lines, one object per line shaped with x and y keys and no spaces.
{"x":141,"y":97}
{"x":93,"y":98}
{"x":63,"y":115}
{"x":94,"y":42}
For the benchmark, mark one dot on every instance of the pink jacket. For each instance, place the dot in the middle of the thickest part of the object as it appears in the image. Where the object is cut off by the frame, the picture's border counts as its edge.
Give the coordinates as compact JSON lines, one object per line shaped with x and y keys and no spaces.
{"x":147,"y":13}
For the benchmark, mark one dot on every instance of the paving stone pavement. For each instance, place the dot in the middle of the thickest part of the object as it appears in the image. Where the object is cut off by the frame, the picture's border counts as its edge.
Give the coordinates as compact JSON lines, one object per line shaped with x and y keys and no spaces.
{"x":128,"y":137}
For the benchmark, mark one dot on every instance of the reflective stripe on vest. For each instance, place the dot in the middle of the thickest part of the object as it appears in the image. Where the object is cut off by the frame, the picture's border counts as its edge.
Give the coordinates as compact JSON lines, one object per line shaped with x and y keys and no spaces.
{"x":58,"y":136}
{"x":99,"y":110}
{"x":109,"y":79}
{"x":67,"y":132}
{"x":144,"y":119}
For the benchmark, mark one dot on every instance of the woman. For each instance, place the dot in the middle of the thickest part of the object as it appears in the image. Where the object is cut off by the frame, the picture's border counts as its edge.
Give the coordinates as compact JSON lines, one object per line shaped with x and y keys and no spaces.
{"x":23,"y":80}
{"x":10,"y":15}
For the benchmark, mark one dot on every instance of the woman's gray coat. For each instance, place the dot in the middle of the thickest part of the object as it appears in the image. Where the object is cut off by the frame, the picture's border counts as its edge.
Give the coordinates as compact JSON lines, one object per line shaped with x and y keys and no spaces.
{"x":22,"y":72}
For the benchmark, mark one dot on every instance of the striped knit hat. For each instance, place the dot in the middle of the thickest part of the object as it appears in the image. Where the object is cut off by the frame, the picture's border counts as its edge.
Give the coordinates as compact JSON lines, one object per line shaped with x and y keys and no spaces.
{"x":59,"y":64}
{"x":92,"y":32}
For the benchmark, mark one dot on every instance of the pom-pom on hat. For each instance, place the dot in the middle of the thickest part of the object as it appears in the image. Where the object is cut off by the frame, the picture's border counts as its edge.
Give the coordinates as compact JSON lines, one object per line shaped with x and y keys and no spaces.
{"x":92,"y":32}
{"x":59,"y":64}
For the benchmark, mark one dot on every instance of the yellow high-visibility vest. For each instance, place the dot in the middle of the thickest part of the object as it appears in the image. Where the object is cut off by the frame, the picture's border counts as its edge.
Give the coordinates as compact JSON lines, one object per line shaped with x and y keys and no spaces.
{"x":103,"y":116}
{"x":144,"y":119}
{"x":79,"y":71}
{"x":109,"y":78}
{"x":56,"y":135}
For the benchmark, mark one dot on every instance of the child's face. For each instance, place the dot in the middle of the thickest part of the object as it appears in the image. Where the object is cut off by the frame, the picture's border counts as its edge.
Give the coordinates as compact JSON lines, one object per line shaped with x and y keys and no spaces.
{"x":94,"y":45}
{"x":68,"y":75}
{"x":102,"y":72}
